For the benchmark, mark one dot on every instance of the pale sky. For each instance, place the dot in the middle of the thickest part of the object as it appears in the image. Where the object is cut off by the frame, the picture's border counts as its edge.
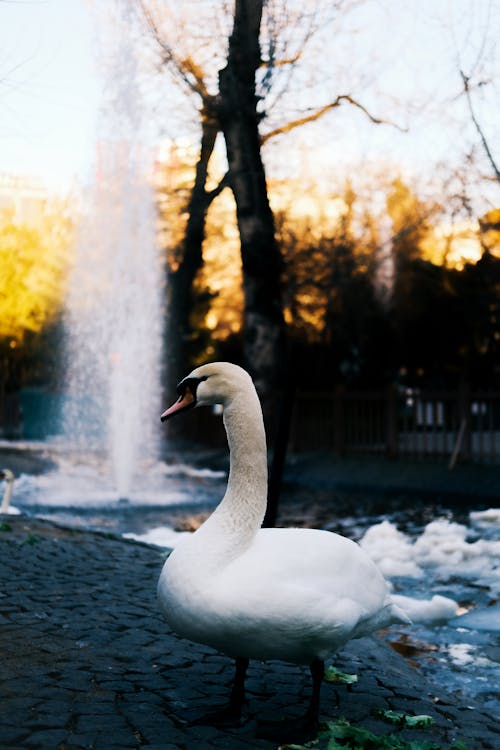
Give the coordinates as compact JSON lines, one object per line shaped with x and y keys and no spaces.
{"x":50,"y":85}
{"x":49,"y":89}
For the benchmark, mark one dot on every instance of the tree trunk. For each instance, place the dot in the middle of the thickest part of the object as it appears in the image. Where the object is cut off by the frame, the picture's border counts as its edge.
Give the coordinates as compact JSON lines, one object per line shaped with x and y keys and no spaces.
{"x":263,"y":334}
{"x":180,"y":281}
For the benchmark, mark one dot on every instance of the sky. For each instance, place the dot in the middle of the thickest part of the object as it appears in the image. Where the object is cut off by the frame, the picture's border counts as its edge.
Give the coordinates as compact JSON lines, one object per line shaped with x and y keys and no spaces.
{"x":401,"y":60}
{"x":51,"y":85}
{"x":49,"y":90}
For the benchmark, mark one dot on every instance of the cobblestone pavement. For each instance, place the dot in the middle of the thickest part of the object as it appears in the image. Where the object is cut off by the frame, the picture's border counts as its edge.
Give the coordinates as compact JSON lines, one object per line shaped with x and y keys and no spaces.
{"x":86,"y":660}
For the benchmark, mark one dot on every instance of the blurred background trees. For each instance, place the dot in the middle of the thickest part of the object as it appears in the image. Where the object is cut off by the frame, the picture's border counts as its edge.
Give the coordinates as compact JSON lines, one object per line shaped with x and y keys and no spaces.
{"x":368,"y":299}
{"x":35,"y":252}
{"x":373,"y":274}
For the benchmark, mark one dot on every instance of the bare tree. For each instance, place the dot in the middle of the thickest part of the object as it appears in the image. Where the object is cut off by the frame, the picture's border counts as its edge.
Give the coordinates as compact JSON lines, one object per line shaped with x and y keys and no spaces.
{"x":235,"y":103}
{"x":477,"y":66}
{"x":261,"y":258}
{"x":181,"y":280}
{"x":484,"y":142}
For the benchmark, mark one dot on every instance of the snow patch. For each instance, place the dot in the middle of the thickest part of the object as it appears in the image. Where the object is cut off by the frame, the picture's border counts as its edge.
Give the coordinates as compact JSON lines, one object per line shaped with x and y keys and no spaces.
{"x":485,"y":517}
{"x":391,"y":550}
{"x":442,"y":546}
{"x":437,"y":609}
{"x":161,"y":536}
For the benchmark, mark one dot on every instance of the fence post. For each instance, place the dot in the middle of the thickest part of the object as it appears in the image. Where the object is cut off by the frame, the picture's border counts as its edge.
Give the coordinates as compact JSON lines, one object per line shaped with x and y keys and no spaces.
{"x":339,"y":423}
{"x":279,"y":453}
{"x":392,"y":433}
{"x":464,"y":415}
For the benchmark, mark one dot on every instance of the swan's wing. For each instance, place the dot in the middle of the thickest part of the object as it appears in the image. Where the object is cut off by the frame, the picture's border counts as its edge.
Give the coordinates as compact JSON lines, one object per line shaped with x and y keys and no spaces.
{"x":294,"y":594}
{"x":306,"y":569}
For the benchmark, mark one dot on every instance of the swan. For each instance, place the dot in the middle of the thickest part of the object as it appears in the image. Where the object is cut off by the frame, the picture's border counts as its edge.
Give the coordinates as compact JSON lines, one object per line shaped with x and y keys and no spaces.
{"x":8,"y":476}
{"x":290,"y":594}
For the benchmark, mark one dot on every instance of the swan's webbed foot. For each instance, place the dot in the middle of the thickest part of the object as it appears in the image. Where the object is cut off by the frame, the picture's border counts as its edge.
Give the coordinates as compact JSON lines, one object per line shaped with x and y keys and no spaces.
{"x":301,"y":730}
{"x":232,"y":714}
{"x":290,"y":731}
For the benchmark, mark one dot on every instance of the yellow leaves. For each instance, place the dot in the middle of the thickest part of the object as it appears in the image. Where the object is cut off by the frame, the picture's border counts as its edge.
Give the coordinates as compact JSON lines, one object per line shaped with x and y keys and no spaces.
{"x":410,"y":216}
{"x":491,"y":220}
{"x":221,"y":274}
{"x":452,"y":244}
{"x":337,"y":245}
{"x":489,"y":226}
{"x":33,"y":262}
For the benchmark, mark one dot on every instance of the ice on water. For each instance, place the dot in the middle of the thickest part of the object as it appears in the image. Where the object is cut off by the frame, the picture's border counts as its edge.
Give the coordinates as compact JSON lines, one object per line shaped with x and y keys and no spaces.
{"x":450,"y":549}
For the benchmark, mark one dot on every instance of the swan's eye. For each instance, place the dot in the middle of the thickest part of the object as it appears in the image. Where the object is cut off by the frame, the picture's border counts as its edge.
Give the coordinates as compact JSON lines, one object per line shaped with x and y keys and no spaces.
{"x":187,"y":397}
{"x":191,"y":383}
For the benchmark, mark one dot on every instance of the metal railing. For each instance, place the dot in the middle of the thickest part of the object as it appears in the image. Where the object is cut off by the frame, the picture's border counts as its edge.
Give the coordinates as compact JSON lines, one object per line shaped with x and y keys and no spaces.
{"x":453,"y":425}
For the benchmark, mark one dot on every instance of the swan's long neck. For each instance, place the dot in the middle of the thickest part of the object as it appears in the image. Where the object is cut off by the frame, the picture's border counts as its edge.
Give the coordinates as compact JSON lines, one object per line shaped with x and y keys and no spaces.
{"x":240,"y":513}
{"x":7,"y":495}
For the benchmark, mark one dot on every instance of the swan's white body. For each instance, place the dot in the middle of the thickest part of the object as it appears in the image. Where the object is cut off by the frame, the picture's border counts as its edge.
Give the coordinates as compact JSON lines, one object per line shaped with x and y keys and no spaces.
{"x":8,"y":475}
{"x":290,"y":594}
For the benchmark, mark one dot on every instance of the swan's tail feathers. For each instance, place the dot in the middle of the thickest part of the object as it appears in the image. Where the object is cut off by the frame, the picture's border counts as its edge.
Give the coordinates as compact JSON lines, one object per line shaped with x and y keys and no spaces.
{"x":399,"y":615}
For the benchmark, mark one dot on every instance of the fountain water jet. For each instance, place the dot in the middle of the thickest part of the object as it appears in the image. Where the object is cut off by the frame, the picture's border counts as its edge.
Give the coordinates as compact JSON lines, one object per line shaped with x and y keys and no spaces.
{"x":114,"y":310}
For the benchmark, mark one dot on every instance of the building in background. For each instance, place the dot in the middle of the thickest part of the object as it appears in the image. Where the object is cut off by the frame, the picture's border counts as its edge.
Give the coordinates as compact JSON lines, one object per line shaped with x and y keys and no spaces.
{"x":23,"y":199}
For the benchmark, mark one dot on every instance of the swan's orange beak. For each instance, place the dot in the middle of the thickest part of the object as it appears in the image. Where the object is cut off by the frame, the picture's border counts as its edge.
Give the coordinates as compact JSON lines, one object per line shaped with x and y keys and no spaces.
{"x":185,"y":401}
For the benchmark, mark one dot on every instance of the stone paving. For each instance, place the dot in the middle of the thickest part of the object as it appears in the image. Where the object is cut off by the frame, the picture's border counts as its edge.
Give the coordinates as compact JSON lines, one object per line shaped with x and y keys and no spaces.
{"x":86,"y":661}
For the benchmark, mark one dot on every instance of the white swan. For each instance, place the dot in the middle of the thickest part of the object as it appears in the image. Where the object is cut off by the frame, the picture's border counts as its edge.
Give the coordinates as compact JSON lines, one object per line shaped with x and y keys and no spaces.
{"x":8,"y":476}
{"x":291,"y":594}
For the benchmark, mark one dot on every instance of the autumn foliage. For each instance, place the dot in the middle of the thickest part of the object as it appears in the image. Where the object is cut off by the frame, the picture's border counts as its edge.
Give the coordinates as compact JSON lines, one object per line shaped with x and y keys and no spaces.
{"x":35,"y":255}
{"x":370,"y":297}
{"x":359,"y":309}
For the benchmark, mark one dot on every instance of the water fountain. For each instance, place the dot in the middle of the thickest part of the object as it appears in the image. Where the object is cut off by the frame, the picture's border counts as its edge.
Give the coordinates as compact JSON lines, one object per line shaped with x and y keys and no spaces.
{"x":109,"y":452}
{"x":114,"y":305}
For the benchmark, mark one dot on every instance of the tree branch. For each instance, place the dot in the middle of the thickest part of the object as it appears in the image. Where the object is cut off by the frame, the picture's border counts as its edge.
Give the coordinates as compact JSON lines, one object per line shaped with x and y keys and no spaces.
{"x":193,"y":72}
{"x":281,"y":63}
{"x":494,"y":166}
{"x":211,"y":195}
{"x":313,"y":116}
{"x":187,"y":70}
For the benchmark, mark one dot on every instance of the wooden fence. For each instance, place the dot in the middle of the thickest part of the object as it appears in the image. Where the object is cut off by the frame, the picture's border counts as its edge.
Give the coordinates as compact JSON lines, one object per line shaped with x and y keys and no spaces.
{"x":455,"y":425}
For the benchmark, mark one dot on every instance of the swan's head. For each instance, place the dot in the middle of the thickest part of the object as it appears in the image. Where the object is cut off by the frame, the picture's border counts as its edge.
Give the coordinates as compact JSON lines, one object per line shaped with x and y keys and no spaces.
{"x":215,"y":383}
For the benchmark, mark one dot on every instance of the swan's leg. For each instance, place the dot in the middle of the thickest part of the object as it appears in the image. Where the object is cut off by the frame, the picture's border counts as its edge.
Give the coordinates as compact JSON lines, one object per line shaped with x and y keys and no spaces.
{"x":237,"y":699}
{"x":230,"y":714}
{"x":306,"y":727}
{"x":317,"y":669}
